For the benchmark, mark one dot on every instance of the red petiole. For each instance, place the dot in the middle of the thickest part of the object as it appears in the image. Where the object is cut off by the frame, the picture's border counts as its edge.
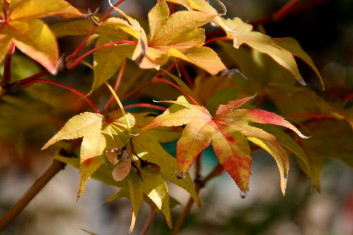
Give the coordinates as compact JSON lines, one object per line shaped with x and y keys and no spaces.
{"x":73,"y":63}
{"x":82,"y":44}
{"x":83,"y":96}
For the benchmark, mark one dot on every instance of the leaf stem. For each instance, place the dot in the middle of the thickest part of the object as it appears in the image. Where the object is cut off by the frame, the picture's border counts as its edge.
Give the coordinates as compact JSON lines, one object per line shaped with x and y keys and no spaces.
{"x":146,"y":83}
{"x":117,"y":84}
{"x":186,"y":75}
{"x":73,"y":63}
{"x":145,"y":105}
{"x":217,"y":170}
{"x":83,"y":96}
{"x":163,"y":80}
{"x":82,"y":44}
{"x":290,"y":8}
{"x":11,"y":214}
{"x":261,"y":99}
{"x":30,"y":80}
{"x":278,"y":15}
{"x":218,"y":39}
{"x":149,"y":220}
{"x":7,"y":65}
{"x":128,"y":126}
{"x":173,"y":7}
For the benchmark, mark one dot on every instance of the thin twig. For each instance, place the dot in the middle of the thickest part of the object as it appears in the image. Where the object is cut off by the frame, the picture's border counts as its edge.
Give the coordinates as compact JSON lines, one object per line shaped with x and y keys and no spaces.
{"x":149,"y":221}
{"x":218,"y":170}
{"x":10,"y":215}
{"x":116,"y":85}
{"x":182,"y":217}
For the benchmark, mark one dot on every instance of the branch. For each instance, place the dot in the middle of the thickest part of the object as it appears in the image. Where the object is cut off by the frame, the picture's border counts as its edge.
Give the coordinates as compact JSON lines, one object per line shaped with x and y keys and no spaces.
{"x":199,"y":184}
{"x":11,"y":214}
{"x":149,"y":221}
{"x":182,"y":217}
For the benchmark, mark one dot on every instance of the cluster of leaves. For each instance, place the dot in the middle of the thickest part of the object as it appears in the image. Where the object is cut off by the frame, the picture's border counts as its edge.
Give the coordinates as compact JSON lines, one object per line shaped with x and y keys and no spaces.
{"x":124,"y":149}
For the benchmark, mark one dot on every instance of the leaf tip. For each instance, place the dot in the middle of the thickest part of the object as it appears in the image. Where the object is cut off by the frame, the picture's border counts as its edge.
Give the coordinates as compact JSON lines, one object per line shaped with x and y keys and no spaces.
{"x":243,"y":193}
{"x":302,"y":82}
{"x":54,"y":71}
{"x":303,"y":136}
{"x":180,"y":175}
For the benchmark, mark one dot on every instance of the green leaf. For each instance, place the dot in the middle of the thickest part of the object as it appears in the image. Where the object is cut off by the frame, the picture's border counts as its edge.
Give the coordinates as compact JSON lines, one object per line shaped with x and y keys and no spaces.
{"x":290,"y":44}
{"x":212,"y":91}
{"x":147,"y":148}
{"x":155,"y":188}
{"x":280,"y":50}
{"x":306,"y":102}
{"x":181,"y":84}
{"x":108,"y":60}
{"x":329,"y":139}
{"x":136,"y":197}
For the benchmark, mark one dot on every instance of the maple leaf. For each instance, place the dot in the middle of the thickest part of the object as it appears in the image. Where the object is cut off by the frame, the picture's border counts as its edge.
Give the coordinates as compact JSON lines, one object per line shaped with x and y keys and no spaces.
{"x":228,"y":131}
{"x":89,"y":127}
{"x":178,"y":35}
{"x":31,"y":35}
{"x":335,"y":144}
{"x":282,"y":50}
{"x":104,"y":139}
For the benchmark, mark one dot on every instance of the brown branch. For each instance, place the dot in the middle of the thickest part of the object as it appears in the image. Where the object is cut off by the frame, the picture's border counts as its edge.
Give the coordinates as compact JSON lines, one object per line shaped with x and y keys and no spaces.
{"x":182,"y":217}
{"x":11,"y":214}
{"x":199,"y":184}
{"x":149,"y":221}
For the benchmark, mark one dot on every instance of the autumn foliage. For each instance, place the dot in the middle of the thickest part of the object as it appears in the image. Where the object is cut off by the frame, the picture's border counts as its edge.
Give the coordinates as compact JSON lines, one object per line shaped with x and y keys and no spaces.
{"x":197,"y":90}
